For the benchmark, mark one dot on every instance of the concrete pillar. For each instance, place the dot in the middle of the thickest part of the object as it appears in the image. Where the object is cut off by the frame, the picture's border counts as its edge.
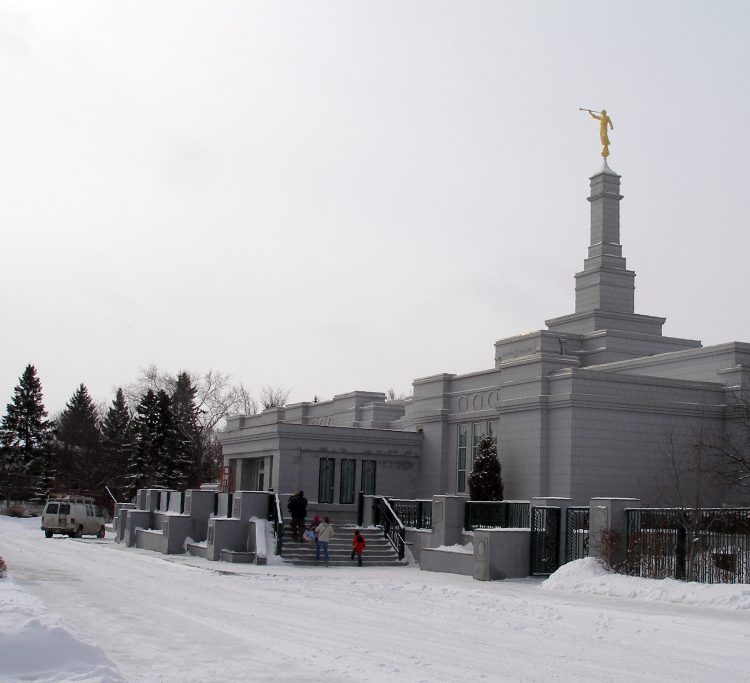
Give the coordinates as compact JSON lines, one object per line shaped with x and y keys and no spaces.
{"x":447,"y":520}
{"x":222,"y":504}
{"x":368,"y":518}
{"x":199,"y":505}
{"x":501,"y":553}
{"x":117,"y":524}
{"x":152,"y":500}
{"x":176,"y":529}
{"x":226,"y":534}
{"x":608,"y":528}
{"x":247,"y":504}
{"x":176,"y":501}
{"x":134,"y":519}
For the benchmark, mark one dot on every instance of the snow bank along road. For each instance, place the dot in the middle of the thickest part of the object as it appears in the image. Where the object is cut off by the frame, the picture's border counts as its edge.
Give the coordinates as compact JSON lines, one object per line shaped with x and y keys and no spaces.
{"x":175,"y":618}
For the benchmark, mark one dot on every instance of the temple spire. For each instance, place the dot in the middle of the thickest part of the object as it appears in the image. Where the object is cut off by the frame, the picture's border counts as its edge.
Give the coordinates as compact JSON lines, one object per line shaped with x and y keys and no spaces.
{"x":605,"y":284}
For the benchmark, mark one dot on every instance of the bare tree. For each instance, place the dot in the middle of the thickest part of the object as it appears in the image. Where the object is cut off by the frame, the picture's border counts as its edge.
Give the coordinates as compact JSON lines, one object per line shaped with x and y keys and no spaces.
{"x":216,"y":398}
{"x":246,"y":403}
{"x":690,"y":477}
{"x":273,"y":397}
{"x":734,"y":445}
{"x":391,"y":395}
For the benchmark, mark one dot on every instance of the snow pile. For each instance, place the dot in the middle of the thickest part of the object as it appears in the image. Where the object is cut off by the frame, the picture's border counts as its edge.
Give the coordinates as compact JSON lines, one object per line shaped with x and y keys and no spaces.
{"x":458,"y":548}
{"x":590,"y":576}
{"x":36,"y":645}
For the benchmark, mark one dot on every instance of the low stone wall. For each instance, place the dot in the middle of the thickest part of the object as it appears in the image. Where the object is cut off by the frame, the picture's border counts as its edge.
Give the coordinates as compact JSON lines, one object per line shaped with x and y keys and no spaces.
{"x":151,"y":539}
{"x":196,"y":550}
{"x":450,"y":562}
{"x":131,"y":521}
{"x":417,"y":540}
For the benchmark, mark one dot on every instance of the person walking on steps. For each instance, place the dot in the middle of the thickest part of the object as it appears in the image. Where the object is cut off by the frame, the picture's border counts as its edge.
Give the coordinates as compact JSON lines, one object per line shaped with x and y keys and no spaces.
{"x":297,"y":507}
{"x":358,"y":545}
{"x":324,"y":533}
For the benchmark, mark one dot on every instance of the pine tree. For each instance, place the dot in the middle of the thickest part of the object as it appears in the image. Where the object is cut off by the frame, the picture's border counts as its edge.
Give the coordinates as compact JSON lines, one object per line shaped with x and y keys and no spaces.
{"x":167,"y":472}
{"x":141,"y":469}
{"x":188,"y":443}
{"x":117,"y":442}
{"x":485,"y":480}
{"x":44,"y":481}
{"x":80,"y":442}
{"x":25,"y":437}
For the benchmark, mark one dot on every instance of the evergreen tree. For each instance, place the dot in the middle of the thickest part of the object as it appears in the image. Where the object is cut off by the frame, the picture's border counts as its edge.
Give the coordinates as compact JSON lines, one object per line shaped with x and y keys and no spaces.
{"x":167,"y":473}
{"x":25,"y":437}
{"x":44,"y":481}
{"x":189,"y":465}
{"x":485,"y":480}
{"x":143,"y":458}
{"x":79,"y":437}
{"x":117,"y":443}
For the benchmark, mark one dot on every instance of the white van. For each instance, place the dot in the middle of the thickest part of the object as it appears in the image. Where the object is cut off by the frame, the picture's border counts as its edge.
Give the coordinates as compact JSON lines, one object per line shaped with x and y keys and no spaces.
{"x":73,"y":516}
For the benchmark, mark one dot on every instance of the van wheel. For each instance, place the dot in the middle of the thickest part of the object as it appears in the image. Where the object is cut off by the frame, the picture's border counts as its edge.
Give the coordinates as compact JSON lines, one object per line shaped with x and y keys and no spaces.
{"x":79,"y":533}
{"x":101,"y":532}
{"x":47,"y":533}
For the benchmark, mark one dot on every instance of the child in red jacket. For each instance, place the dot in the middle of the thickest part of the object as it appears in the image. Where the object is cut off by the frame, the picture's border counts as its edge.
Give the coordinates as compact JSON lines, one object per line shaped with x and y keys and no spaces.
{"x":358,"y":545}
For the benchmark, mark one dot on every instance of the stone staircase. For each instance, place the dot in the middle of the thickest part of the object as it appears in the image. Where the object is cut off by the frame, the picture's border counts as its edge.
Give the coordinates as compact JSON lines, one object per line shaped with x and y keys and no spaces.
{"x":378,"y":552}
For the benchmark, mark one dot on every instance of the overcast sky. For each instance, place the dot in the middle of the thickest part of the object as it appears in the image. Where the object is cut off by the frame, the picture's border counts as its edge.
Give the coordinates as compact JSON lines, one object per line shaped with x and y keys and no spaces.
{"x":331,"y":196}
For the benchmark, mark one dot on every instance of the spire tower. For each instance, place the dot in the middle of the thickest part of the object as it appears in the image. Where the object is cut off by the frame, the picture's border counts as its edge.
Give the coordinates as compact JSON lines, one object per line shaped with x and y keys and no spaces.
{"x":605,"y":284}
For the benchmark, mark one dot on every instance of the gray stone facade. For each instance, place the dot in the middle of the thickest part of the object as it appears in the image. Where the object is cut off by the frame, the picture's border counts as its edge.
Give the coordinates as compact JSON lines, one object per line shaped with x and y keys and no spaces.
{"x":587,"y":407}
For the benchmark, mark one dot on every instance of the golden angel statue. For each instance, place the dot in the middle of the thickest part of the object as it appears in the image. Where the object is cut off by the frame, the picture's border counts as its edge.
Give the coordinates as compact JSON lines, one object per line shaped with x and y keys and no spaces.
{"x":604,"y":121}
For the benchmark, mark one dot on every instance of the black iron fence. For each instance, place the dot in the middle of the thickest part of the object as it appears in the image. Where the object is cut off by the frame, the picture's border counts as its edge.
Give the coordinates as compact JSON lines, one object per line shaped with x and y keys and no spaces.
{"x":576,"y":533}
{"x":413,"y":513}
{"x":545,"y":540}
{"x":710,"y":545}
{"x":484,"y":514}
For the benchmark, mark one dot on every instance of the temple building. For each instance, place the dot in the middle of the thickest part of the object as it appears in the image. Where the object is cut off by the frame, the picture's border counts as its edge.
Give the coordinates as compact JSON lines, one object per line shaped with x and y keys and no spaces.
{"x":598,"y":403}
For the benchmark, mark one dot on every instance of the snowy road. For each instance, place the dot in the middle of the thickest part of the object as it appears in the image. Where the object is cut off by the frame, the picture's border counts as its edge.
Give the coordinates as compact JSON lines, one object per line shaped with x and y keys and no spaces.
{"x":177,"y":618}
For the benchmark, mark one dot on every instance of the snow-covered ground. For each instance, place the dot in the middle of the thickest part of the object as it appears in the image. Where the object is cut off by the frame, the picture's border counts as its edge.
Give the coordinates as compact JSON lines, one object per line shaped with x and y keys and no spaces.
{"x":92,"y":611}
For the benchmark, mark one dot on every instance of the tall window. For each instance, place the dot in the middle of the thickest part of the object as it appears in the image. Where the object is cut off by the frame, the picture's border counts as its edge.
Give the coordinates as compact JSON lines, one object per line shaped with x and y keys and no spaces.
{"x":368,"y":477}
{"x":463,"y":436}
{"x":492,"y":431}
{"x":325,"y":480}
{"x":477,"y":429}
{"x":466,"y":458}
{"x":348,"y":470}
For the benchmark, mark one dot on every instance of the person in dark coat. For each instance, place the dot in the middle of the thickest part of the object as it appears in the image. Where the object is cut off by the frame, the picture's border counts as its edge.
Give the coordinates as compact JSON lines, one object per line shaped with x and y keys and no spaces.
{"x":297,"y":507}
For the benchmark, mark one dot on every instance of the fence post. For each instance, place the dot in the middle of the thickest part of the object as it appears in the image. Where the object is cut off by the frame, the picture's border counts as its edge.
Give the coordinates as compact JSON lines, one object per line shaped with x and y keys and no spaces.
{"x":608,"y":529}
{"x":447,"y":520}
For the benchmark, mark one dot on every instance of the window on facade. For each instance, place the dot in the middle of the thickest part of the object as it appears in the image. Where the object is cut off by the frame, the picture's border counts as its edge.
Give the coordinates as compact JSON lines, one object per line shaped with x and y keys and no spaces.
{"x":466,"y":459}
{"x":476,"y":437}
{"x":348,"y":470}
{"x":368,"y":477}
{"x":325,"y":480}
{"x":492,"y":431}
{"x":463,"y":435}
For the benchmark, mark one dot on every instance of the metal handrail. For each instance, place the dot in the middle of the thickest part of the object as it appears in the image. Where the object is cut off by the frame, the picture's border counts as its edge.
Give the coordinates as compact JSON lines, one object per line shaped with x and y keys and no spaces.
{"x":274,"y":514}
{"x":393,"y":528}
